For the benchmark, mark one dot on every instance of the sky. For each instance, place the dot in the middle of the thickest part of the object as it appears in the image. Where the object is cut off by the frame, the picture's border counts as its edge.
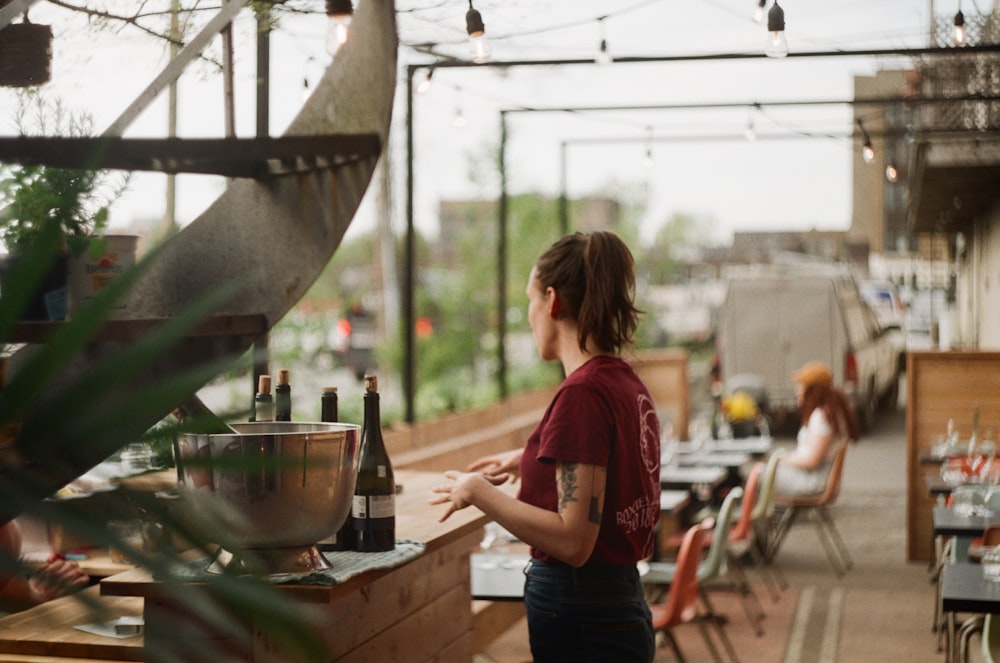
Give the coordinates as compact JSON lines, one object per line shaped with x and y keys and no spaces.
{"x":701,"y":163}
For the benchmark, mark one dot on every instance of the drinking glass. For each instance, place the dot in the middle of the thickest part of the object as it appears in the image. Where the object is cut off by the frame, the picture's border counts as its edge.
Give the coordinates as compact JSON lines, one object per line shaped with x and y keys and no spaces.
{"x":991,"y":564}
{"x":968,"y":501}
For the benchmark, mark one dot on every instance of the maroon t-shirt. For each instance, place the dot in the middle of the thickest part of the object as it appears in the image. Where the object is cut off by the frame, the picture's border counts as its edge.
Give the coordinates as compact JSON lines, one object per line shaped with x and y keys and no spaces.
{"x":601,"y":415}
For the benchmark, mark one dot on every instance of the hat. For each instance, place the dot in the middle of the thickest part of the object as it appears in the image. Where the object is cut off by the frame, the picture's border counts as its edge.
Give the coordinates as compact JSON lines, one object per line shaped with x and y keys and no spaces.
{"x":813,"y":373}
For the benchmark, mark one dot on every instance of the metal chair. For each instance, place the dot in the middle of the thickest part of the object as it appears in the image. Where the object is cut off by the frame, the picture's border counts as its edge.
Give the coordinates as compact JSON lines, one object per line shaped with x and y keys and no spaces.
{"x":681,"y":603}
{"x":815,"y":506}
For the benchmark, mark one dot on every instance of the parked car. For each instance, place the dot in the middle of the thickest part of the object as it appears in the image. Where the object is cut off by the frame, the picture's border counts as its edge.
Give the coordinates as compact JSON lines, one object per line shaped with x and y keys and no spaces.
{"x":773,"y":323}
{"x":883,"y":297}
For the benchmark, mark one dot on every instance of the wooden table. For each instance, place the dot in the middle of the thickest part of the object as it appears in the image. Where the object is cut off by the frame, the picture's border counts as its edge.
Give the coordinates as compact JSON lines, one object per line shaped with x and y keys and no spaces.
{"x":423,"y":607}
{"x":755,"y":446}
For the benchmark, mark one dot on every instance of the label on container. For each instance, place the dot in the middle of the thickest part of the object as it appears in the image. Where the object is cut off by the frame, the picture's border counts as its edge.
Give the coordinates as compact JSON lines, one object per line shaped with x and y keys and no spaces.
{"x":373,"y":506}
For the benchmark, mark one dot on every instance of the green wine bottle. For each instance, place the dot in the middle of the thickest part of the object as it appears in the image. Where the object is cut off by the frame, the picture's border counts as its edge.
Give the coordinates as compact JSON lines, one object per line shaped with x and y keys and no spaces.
{"x":344,"y":538}
{"x":374,"y":508}
{"x":283,"y":397}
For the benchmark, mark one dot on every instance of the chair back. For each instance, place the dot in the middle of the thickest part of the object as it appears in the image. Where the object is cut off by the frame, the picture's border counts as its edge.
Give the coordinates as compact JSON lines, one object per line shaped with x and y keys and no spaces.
{"x":714,"y":564}
{"x":991,"y":639}
{"x":764,"y":507}
{"x":743,"y":529}
{"x":682,"y":599}
{"x":832,"y":490}
{"x":991,"y":536}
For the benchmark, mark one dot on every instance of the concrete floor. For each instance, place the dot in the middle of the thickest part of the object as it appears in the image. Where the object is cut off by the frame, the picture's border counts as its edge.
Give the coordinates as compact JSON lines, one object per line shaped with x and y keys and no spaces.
{"x":881,"y":610}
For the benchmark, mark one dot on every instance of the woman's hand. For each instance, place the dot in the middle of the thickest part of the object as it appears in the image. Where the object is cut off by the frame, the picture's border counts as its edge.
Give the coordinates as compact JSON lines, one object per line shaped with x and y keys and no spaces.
{"x":507,"y":463}
{"x":57,"y":578}
{"x":461,"y":492}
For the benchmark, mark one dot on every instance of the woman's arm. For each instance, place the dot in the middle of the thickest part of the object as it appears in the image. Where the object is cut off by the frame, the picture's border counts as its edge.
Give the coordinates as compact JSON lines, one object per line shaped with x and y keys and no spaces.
{"x":568,"y":534}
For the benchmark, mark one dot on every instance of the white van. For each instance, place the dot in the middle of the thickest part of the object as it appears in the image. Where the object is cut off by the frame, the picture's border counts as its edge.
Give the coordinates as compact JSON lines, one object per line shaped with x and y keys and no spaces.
{"x":773,"y":323}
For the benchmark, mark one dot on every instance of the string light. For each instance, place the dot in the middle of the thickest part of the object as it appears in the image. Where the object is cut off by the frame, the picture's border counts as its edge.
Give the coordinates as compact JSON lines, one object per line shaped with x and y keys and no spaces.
{"x":647,"y":160}
{"x":458,"y":119}
{"x":758,"y":14}
{"x":867,"y":151}
{"x":603,"y":56}
{"x":891,"y":172}
{"x":750,"y":132}
{"x":777,"y":45}
{"x":479,"y":46}
{"x":339,"y":13}
{"x":958,"y":34}
{"x":425,"y":84}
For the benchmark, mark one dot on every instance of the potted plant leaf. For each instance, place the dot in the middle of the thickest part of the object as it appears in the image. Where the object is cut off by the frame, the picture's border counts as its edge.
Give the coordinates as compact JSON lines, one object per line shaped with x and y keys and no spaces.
{"x":72,"y":203}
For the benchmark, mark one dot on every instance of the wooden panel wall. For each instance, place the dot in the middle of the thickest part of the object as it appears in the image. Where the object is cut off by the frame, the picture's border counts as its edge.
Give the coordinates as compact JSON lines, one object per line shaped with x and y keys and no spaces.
{"x":665,"y":373}
{"x":942,"y":385}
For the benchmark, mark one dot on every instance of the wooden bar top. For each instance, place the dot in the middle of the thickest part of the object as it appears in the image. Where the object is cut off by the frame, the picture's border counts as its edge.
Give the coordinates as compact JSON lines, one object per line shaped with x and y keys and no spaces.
{"x":49,"y":629}
{"x":415,"y":519}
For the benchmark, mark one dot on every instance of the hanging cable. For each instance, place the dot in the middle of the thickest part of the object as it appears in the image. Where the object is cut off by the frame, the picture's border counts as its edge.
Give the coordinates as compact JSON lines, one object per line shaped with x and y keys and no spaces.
{"x":479,"y":46}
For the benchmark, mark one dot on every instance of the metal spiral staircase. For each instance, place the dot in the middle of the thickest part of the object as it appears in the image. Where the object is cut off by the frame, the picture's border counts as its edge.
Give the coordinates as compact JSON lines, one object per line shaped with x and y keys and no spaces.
{"x":273,"y":230}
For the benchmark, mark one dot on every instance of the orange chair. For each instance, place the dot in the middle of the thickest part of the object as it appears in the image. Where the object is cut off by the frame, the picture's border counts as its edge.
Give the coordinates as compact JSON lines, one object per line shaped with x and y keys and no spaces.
{"x":681,"y":603}
{"x":816,"y":507}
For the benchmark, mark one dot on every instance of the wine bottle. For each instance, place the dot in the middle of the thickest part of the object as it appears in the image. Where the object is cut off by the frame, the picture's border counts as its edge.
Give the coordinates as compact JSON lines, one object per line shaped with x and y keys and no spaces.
{"x":343,"y":538}
{"x":263,"y":402}
{"x":374,"y":508}
{"x":283,"y":397}
{"x":328,"y":408}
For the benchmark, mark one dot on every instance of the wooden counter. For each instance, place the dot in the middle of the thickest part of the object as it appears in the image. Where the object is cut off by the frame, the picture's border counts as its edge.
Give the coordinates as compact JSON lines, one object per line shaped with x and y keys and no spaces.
{"x":420,"y":611}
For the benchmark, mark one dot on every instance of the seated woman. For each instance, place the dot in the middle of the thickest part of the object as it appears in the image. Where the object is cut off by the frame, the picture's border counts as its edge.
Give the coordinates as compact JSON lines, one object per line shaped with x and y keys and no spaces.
{"x":827,"y":417}
{"x":57,"y":578}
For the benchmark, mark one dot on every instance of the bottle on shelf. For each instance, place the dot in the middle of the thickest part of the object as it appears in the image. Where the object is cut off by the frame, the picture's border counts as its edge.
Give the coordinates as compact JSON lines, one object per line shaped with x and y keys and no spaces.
{"x":374,"y":508}
{"x":283,"y":397}
{"x":344,"y":538}
{"x":263,"y":402}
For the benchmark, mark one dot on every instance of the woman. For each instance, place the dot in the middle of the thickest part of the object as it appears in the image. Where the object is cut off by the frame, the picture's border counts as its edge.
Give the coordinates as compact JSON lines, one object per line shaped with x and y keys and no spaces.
{"x":589,"y":494}
{"x":827,"y":418}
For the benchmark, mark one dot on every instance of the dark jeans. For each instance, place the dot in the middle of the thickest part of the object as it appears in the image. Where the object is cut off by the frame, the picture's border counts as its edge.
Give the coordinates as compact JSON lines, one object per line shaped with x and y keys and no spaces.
{"x":587,"y":615}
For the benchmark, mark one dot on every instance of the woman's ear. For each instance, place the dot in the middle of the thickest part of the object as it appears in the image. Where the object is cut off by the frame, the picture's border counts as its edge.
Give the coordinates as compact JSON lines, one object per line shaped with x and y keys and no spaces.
{"x":555,"y":304}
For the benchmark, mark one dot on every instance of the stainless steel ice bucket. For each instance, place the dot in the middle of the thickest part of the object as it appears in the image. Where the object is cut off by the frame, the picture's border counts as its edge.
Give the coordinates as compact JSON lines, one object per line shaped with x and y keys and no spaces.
{"x":291,"y":482}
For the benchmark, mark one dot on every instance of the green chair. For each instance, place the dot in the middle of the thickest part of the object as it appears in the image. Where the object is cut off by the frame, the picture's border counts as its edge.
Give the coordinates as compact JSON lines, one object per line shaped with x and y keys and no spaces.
{"x":714,"y":566}
{"x":991,"y":639}
{"x":762,"y":519}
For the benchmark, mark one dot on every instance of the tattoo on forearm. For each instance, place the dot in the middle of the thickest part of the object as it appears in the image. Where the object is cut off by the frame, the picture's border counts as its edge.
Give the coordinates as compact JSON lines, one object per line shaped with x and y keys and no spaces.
{"x":567,"y":485}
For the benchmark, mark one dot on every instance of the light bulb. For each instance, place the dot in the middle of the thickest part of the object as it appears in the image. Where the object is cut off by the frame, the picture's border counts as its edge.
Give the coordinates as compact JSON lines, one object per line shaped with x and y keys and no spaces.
{"x":758,"y":14}
{"x":647,"y":160}
{"x":603,"y":57}
{"x":777,"y":46}
{"x":750,"y":132}
{"x":458,"y":121}
{"x":868,"y":152}
{"x":891,"y":173}
{"x":337,"y":31}
{"x":425,"y":84}
{"x":958,"y":35}
{"x":479,"y":46}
